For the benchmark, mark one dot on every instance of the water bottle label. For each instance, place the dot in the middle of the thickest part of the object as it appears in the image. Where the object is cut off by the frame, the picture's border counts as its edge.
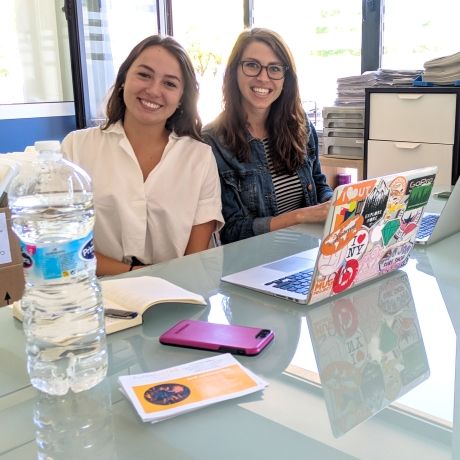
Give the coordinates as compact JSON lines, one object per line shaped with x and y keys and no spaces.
{"x":59,"y":260}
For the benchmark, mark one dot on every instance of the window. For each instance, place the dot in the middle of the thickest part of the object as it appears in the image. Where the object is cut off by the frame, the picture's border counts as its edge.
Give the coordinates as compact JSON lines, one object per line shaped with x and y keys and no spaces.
{"x":325,"y":38}
{"x":34,"y":53}
{"x":111,"y":29}
{"x":416,"y":33}
{"x":208,"y":29}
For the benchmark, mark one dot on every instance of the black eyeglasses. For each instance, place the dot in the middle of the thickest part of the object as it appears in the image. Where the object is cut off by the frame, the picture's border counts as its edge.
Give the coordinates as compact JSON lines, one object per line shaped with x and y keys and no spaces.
{"x":253,"y":69}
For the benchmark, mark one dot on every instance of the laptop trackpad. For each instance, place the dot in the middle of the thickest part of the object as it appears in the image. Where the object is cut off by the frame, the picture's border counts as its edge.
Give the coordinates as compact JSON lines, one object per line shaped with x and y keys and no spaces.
{"x":291,"y":264}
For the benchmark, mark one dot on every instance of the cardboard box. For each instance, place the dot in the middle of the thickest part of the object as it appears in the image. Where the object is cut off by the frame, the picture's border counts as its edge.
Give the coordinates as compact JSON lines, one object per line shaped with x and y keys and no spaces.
{"x":11,"y":271}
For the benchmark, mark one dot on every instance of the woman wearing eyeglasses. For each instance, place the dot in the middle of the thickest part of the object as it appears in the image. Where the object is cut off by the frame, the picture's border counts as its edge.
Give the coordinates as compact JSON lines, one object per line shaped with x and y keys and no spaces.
{"x":266,"y":149}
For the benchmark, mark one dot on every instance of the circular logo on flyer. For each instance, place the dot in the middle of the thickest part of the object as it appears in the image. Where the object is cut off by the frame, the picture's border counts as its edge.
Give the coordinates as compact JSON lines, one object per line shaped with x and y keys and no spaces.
{"x":166,"y":394}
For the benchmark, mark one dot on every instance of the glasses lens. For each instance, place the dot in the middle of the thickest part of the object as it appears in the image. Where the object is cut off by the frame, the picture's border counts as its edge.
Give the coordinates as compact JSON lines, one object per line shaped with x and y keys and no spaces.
{"x":275,"y":71}
{"x":251,"y":68}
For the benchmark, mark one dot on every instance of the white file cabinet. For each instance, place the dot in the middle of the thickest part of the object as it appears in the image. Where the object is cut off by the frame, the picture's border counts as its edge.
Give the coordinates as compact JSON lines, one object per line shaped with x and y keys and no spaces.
{"x":407,"y":128}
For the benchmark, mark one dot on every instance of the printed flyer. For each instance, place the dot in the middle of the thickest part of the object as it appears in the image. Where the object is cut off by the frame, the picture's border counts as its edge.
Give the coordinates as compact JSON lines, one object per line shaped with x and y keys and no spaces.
{"x":163,"y":394}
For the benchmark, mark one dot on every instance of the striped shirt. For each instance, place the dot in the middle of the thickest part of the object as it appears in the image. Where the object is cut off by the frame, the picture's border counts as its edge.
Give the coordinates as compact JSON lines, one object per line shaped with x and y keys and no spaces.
{"x":288,"y":189}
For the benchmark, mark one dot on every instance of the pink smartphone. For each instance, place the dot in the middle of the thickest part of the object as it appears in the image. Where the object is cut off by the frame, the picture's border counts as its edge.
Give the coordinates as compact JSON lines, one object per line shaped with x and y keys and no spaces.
{"x":225,"y":338}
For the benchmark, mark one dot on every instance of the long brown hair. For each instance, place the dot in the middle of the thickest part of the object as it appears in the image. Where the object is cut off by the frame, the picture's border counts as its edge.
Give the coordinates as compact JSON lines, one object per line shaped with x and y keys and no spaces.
{"x":185,"y":121}
{"x":286,"y":123}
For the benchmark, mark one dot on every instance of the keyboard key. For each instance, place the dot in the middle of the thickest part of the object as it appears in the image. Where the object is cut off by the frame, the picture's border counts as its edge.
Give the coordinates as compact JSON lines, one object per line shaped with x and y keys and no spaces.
{"x":297,"y":282}
{"x":427,"y":225}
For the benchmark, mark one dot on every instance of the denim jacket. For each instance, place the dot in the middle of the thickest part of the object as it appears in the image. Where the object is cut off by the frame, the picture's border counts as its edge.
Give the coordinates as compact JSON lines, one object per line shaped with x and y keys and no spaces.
{"x":248,"y":194}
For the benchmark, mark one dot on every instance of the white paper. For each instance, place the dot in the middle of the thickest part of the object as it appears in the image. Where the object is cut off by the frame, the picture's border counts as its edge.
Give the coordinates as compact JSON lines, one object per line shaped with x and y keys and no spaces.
{"x":190,"y":386}
{"x":5,"y":252}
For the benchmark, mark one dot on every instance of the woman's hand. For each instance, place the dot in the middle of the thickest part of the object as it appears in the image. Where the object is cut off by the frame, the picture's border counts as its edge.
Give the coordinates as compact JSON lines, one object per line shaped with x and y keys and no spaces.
{"x":314,"y":214}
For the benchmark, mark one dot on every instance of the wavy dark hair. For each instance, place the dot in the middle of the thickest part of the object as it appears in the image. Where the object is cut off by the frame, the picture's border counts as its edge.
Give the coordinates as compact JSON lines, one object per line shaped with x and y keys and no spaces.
{"x":185,"y":121}
{"x":286,"y":124}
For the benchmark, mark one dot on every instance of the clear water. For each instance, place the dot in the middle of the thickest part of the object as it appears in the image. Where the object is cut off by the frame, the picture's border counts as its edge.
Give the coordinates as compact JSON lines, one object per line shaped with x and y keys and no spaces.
{"x":75,"y":426}
{"x":63,"y":317}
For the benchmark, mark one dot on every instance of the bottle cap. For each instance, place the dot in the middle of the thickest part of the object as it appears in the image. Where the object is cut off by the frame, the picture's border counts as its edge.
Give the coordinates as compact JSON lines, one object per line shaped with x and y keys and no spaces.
{"x":50,"y":146}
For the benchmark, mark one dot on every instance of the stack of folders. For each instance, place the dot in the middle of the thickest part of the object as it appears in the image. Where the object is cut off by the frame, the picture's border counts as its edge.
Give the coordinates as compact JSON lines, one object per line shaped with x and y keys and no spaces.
{"x":160,"y":395}
{"x":443,"y":70}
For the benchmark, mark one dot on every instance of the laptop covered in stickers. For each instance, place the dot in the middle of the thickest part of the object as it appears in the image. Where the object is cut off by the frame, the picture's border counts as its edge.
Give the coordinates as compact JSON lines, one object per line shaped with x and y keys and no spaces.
{"x":369,"y":232}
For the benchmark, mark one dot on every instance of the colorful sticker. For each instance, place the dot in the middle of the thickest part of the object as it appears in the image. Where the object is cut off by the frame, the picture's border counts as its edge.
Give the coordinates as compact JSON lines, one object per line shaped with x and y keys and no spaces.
{"x":409,"y":223}
{"x":389,"y":229}
{"x":419,"y":191}
{"x":375,"y":204}
{"x":357,"y":246}
{"x":394,"y":209}
{"x":329,"y":264}
{"x":355,"y":192}
{"x":344,"y":213}
{"x":398,"y":187}
{"x":395,"y":258}
{"x":342,"y":236}
{"x":322,"y":286}
{"x":345,"y":276}
{"x":396,"y":199}
{"x":369,"y":263}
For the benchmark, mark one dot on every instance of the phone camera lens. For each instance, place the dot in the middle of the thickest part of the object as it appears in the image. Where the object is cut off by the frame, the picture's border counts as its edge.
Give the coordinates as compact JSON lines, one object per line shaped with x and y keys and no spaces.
{"x":263,"y":333}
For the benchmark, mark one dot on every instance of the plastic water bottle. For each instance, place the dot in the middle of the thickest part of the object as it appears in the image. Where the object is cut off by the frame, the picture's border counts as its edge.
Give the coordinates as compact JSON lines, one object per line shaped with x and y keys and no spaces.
{"x":75,"y":426}
{"x":52,"y":213}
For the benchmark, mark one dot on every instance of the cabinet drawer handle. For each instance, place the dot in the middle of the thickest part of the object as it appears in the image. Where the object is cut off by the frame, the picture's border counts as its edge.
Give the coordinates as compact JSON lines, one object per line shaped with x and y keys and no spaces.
{"x":407,"y":145}
{"x":410,"y":96}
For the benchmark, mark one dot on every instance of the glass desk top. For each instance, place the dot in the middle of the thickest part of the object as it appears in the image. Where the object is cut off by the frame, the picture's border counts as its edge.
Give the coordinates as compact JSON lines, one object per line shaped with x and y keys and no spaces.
{"x":347,"y":378}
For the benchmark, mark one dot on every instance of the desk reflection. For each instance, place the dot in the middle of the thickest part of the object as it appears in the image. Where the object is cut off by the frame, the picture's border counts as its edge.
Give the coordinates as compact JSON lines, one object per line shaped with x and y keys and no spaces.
{"x":369,"y":350}
{"x":75,"y":426}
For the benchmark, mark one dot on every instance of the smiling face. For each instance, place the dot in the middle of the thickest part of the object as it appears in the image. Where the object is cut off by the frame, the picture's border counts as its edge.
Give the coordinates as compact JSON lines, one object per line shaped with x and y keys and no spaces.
{"x":153,"y":87}
{"x":259,"y":93}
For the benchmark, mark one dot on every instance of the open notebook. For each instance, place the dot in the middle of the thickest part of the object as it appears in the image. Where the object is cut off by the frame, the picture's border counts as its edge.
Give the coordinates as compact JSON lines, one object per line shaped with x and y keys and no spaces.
{"x":437,"y":226}
{"x":370,"y":231}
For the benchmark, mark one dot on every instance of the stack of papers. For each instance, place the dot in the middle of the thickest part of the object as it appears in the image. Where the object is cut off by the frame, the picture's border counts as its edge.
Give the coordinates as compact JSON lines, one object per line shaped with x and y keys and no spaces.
{"x":160,"y":395}
{"x":351,"y":90}
{"x":443,"y":70}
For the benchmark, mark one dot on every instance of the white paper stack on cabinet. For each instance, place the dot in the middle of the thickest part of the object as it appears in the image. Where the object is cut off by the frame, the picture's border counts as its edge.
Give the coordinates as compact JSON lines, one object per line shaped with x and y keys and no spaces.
{"x":443,"y":70}
{"x":343,"y":132}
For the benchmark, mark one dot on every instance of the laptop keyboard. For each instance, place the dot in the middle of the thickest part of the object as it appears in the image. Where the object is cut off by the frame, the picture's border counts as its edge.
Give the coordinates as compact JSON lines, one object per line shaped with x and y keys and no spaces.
{"x":297,"y":282}
{"x":427,"y":225}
